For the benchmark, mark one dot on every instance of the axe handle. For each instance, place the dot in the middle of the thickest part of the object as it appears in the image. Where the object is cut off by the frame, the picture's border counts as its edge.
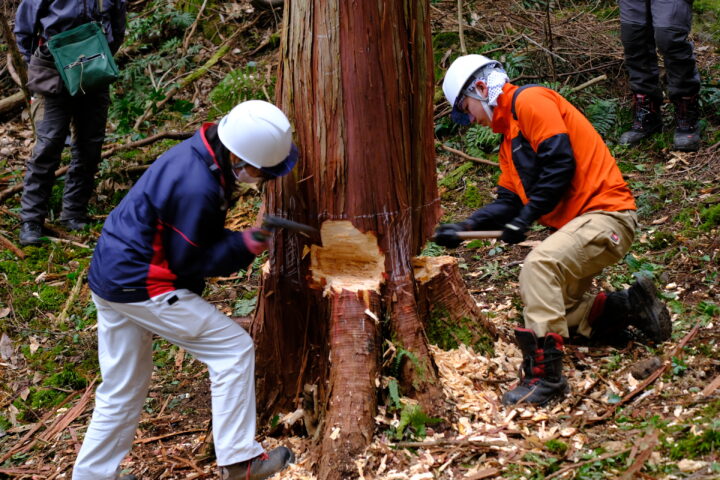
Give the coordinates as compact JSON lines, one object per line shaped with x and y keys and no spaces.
{"x":480,"y":234}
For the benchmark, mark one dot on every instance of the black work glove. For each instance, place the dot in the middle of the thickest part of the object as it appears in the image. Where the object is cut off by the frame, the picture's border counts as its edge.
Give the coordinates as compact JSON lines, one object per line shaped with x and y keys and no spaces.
{"x":446,"y":235}
{"x":514,"y":231}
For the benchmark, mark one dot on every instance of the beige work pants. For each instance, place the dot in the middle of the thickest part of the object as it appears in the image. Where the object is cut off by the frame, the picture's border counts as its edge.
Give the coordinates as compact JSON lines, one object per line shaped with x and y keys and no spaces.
{"x":557,"y":274}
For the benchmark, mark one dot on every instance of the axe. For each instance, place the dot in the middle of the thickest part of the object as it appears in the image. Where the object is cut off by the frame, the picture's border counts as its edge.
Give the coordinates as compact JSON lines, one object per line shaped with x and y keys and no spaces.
{"x":271,"y":222}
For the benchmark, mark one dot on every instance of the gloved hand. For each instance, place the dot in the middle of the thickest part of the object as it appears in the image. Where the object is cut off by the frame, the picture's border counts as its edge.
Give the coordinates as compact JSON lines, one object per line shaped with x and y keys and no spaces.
{"x":514,"y":231}
{"x":256,"y":240}
{"x":446,"y":235}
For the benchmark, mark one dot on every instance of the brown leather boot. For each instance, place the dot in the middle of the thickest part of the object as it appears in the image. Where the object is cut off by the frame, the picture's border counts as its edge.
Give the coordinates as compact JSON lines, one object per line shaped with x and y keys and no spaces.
{"x":541,"y":377}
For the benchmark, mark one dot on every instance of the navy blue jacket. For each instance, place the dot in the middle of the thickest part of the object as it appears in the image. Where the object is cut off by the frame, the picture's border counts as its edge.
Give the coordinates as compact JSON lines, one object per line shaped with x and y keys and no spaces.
{"x":168,"y":232}
{"x":36,"y":19}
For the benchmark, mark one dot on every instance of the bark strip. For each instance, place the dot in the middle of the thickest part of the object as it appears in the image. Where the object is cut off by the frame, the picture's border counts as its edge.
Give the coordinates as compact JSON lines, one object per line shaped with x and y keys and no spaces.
{"x":355,"y":359}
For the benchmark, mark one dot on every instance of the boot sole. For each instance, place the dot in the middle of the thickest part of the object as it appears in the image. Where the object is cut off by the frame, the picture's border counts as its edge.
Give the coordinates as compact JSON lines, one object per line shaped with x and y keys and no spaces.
{"x":656,"y":323}
{"x":556,"y":396}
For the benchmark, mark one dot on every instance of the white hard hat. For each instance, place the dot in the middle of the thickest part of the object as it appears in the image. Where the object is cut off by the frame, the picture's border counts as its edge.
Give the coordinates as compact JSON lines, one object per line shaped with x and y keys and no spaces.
{"x":460,"y":72}
{"x":258,"y":133}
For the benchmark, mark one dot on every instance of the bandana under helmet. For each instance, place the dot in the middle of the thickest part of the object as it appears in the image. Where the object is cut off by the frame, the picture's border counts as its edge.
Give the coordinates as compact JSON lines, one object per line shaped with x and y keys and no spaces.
{"x":494,"y":77}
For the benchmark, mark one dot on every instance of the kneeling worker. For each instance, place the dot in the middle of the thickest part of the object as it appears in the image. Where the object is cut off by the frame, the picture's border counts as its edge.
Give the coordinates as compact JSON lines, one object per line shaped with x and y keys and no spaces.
{"x":557,"y":171}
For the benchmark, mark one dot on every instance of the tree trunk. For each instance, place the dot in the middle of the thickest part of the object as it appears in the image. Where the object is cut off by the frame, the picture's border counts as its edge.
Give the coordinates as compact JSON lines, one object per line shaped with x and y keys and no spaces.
{"x":356,"y":79}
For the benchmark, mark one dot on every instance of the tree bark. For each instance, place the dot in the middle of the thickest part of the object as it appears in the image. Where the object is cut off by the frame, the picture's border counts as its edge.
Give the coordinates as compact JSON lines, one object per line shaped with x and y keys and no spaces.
{"x":356,"y":79}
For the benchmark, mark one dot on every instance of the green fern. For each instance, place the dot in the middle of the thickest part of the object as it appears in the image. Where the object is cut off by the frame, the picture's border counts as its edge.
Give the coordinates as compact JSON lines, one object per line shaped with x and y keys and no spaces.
{"x":603,"y":114}
{"x":415,"y":420}
{"x":480,"y":140}
{"x":237,"y":86}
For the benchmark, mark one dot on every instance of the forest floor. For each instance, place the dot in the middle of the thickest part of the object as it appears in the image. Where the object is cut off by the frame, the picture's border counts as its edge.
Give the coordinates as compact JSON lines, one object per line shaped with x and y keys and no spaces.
{"x":634,"y":411}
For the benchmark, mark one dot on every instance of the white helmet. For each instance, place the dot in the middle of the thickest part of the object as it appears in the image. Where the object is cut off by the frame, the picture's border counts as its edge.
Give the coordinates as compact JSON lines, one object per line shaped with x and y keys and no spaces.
{"x":460,"y":72}
{"x":258,"y":133}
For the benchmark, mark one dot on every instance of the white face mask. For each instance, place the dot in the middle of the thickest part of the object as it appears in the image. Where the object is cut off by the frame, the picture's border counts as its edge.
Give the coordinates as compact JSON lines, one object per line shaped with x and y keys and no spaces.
{"x":242,"y":176}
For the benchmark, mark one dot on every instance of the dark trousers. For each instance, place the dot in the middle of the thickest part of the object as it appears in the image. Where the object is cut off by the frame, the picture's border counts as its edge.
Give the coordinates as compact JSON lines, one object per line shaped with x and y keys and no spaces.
{"x":55,"y":117}
{"x":650,"y":25}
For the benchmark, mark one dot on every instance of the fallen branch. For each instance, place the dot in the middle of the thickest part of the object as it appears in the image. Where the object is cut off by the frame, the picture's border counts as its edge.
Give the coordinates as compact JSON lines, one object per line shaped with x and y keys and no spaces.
{"x":11,"y":246}
{"x":443,"y":443}
{"x":648,"y":447}
{"x":11,"y":103}
{"x":21,"y":446}
{"x":146,"y":141}
{"x":461,"y":29}
{"x":585,"y":462}
{"x":17,"y":60}
{"x":72,"y":297}
{"x":189,"y":34}
{"x":655,"y":375}
{"x":64,"y":421}
{"x":22,"y":472}
{"x":69,"y":242}
{"x":167,"y":435}
{"x":464,"y":155}
{"x":590,"y":82}
{"x":712,"y":386}
{"x":544,"y":49}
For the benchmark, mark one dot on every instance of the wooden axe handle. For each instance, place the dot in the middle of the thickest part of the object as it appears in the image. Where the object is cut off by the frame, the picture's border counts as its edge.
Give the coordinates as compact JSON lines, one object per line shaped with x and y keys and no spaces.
{"x":471,"y":235}
{"x":480,"y":234}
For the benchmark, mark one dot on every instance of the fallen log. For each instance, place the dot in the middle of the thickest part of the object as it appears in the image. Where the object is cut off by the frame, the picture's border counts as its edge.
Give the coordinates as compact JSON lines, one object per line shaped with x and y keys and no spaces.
{"x":12,"y":103}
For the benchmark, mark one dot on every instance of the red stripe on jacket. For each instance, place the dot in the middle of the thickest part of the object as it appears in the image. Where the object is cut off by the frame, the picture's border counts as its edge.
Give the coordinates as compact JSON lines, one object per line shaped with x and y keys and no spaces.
{"x":160,"y":278}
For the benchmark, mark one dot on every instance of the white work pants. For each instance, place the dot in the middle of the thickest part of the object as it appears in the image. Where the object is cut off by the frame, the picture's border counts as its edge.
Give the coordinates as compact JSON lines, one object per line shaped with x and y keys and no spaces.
{"x":125,"y":352}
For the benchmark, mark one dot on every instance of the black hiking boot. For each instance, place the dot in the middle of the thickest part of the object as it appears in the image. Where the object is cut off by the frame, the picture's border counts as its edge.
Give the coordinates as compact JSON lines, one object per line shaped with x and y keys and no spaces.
{"x":31,"y":233}
{"x":127,"y":477}
{"x":77,"y":223}
{"x":260,"y":467}
{"x":638,"y":306}
{"x":687,"y":125}
{"x":541,"y":377}
{"x":646,"y":119}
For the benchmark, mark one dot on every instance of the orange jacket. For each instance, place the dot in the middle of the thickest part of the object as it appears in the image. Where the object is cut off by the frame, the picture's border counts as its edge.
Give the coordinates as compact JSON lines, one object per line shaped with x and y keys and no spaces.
{"x":552,"y":158}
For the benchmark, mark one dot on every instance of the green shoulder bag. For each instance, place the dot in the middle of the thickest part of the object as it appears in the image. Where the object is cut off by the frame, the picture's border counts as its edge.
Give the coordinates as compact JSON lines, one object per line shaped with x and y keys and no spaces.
{"x":83,"y":58}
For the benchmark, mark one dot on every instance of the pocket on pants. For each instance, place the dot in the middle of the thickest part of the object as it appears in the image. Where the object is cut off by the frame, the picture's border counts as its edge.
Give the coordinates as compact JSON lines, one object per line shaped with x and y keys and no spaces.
{"x":600,"y":245}
{"x":184,"y":313}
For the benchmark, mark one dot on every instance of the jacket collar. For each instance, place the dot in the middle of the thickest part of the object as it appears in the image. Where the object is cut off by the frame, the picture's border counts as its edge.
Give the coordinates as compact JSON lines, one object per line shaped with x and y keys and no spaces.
{"x":216,"y":156}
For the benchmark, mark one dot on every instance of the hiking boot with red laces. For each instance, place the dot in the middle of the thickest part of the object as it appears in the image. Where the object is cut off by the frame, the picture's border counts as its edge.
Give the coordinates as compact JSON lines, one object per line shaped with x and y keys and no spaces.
{"x":541,"y":377}
{"x":646,"y":119}
{"x":260,"y":467}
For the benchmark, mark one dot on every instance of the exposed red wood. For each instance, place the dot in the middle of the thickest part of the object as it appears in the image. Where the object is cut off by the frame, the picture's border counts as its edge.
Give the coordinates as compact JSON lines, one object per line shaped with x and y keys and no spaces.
{"x":355,"y":358}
